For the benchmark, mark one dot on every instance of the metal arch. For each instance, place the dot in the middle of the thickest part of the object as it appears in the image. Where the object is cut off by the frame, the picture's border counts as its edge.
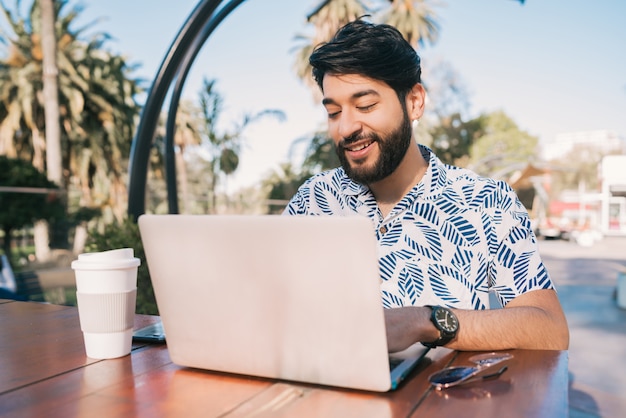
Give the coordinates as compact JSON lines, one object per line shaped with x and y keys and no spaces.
{"x":170,"y":166}
{"x":177,"y":62}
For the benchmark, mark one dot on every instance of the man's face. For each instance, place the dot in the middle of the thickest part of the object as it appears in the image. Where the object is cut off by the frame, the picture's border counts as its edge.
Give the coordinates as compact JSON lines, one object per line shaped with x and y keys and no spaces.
{"x":368,"y":124}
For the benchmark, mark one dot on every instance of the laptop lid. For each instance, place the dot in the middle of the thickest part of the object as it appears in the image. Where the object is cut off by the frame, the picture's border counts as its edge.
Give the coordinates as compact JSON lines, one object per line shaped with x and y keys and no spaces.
{"x":283,"y":297}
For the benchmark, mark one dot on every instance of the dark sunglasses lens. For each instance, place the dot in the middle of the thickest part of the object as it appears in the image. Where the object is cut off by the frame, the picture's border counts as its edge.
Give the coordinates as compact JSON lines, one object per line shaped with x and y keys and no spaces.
{"x":451,"y":375}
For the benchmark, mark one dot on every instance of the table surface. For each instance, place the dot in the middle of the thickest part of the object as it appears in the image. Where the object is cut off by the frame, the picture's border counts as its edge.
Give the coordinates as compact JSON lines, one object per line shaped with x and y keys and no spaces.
{"x":44,"y":372}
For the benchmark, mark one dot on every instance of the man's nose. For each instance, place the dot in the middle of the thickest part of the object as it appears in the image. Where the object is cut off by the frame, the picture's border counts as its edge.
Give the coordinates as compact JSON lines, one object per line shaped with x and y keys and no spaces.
{"x":349,"y":124}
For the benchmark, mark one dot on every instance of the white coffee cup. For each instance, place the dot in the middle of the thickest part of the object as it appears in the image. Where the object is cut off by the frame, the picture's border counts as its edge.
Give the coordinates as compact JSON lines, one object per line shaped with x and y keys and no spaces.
{"x":106,"y":291}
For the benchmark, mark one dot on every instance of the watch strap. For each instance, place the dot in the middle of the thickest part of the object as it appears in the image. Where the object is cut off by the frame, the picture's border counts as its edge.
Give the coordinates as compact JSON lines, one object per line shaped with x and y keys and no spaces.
{"x":437,"y":343}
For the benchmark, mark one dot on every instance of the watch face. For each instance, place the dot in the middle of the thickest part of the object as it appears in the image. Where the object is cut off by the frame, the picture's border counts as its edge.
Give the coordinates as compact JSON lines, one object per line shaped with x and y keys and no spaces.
{"x":446,"y":320}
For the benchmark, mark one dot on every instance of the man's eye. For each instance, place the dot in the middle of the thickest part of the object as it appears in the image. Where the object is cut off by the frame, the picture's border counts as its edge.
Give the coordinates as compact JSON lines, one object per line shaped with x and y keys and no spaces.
{"x":333,"y":115}
{"x":366,"y":108}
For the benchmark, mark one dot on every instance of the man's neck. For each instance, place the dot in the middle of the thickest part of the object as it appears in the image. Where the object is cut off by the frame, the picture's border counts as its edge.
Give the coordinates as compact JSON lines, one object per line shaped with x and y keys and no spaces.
{"x":389,"y":191}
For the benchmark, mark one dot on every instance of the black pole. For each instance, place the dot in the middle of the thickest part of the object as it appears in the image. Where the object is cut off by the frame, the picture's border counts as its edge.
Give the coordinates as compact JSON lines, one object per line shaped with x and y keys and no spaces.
{"x":140,"y":149}
{"x":191,"y":53}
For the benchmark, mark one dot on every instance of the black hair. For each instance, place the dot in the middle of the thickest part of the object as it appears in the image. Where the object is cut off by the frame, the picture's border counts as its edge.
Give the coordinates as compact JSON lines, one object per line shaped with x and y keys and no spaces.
{"x":376,"y":51}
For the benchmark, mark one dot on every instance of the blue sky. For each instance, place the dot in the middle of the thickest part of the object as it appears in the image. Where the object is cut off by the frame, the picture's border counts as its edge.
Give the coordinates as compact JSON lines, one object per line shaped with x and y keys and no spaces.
{"x":554,"y":66}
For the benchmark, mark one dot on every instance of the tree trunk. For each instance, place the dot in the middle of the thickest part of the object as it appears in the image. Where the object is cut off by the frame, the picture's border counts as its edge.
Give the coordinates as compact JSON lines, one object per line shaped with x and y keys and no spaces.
{"x":80,"y":238}
{"x":51,"y":93}
{"x":54,"y":164}
{"x":39,"y":149}
{"x":42,"y":241}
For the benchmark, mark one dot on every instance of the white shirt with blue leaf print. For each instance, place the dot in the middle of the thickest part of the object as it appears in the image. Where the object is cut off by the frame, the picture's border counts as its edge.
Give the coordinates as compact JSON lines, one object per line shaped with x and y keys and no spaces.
{"x":454,"y":237}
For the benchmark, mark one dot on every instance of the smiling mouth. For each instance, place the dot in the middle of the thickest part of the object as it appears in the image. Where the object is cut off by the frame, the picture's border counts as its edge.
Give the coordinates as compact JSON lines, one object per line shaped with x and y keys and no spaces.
{"x":359,"y":147}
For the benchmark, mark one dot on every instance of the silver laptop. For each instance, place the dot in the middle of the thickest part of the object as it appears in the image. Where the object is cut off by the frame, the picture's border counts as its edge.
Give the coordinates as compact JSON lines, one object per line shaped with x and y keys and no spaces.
{"x":283,"y":297}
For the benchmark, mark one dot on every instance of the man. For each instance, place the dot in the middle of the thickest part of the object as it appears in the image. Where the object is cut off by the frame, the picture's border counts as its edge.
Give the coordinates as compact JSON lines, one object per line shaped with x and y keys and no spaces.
{"x":447,"y":237}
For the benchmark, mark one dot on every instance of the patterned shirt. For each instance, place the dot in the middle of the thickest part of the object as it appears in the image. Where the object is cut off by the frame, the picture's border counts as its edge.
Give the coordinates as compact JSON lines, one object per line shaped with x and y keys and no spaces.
{"x":454,"y":237}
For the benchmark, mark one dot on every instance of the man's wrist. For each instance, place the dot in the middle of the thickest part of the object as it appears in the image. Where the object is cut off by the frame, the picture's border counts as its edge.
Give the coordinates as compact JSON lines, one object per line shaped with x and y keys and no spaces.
{"x":446,"y":323}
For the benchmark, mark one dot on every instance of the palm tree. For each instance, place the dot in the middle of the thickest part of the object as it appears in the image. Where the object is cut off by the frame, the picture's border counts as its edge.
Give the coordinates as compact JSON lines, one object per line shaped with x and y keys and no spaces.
{"x":281,"y":185}
{"x":51,"y":112}
{"x":326,"y":18}
{"x":101,"y":130}
{"x":51,"y":92}
{"x":188,"y":132}
{"x":96,"y":105}
{"x":415,"y":19}
{"x":223,"y":148}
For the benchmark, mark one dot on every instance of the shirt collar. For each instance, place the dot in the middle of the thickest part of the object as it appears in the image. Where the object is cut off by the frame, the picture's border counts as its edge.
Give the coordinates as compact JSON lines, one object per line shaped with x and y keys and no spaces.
{"x":435,"y":178}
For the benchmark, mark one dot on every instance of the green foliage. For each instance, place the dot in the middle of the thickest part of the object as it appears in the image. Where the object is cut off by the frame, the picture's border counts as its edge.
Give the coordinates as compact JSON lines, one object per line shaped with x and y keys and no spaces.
{"x":453,"y":137}
{"x":84,"y":214}
{"x":319,"y":155}
{"x":229,"y":161}
{"x":578,"y":168}
{"x":126,"y":235}
{"x":96,"y":94}
{"x":282,"y":185}
{"x":503,"y":147}
{"x":223,"y":147}
{"x":23,"y":209}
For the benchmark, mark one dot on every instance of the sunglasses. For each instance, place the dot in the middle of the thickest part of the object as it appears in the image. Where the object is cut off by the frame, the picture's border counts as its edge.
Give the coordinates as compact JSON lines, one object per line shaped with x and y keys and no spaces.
{"x":454,"y":376}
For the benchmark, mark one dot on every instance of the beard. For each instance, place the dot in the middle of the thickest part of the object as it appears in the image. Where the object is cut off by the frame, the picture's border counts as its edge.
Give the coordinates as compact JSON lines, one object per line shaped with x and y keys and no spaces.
{"x":392,"y":149}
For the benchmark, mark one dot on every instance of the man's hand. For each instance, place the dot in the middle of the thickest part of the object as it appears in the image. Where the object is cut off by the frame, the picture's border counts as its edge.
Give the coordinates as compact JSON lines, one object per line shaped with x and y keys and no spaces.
{"x":408,"y":325}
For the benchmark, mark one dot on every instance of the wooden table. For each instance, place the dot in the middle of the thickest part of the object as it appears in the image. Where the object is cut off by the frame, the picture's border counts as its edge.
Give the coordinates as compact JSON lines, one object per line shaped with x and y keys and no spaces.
{"x":44,"y":372}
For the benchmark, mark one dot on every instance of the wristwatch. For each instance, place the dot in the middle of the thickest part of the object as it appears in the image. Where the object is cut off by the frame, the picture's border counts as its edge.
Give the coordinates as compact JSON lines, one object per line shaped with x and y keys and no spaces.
{"x":446,"y":322}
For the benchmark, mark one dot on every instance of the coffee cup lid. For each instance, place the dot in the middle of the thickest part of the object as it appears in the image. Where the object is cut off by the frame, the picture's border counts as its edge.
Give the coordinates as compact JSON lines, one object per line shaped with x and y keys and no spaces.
{"x":112,"y":259}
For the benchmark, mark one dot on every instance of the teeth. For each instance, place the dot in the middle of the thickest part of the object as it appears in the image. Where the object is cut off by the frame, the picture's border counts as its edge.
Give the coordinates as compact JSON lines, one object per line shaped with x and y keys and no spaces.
{"x":360,"y":147}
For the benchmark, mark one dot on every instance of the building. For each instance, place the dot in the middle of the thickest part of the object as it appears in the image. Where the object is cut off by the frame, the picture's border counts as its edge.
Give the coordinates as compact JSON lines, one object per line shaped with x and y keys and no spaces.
{"x":613,"y":178}
{"x":604,"y":141}
{"x":602,"y":210}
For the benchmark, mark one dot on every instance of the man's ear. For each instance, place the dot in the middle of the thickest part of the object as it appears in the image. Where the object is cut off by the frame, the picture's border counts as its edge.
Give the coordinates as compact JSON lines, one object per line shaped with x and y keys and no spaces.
{"x":416,"y":100}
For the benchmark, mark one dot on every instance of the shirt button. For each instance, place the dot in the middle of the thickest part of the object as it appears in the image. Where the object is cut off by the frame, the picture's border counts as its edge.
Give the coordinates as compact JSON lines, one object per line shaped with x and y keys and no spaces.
{"x":382,"y":229}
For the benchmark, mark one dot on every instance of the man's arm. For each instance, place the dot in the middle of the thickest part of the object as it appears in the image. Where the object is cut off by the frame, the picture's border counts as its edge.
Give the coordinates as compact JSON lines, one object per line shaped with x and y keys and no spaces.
{"x":533,"y":320}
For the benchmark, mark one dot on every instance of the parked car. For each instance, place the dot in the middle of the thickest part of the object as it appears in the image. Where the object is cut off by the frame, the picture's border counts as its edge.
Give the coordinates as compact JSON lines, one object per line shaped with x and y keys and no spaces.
{"x":554,"y":228}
